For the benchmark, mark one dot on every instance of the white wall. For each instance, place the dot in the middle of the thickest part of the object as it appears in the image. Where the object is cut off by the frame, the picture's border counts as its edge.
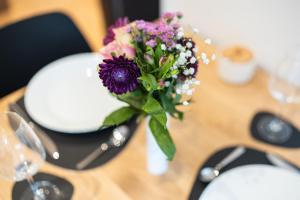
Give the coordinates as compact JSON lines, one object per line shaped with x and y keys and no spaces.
{"x":268,"y":27}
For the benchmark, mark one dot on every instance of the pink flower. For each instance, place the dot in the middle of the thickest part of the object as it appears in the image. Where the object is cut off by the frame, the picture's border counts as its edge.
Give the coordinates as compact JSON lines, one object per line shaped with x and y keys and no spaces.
{"x":122,"y":35}
{"x":128,"y":50}
{"x":110,"y":36}
{"x":107,"y":50}
{"x":120,"y":45}
{"x":118,"y":49}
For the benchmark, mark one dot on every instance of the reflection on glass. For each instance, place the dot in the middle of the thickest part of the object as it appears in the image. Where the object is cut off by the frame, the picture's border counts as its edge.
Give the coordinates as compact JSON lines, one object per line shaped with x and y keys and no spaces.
{"x":21,"y":155}
{"x":284,"y":86}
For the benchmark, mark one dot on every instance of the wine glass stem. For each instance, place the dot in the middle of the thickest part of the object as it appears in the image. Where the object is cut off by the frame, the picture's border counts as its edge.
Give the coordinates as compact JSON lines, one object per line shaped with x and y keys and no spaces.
{"x":31,"y":182}
{"x":35,"y":192}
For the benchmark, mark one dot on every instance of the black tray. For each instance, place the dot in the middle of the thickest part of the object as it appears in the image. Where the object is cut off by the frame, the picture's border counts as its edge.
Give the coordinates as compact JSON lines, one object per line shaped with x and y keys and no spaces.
{"x":74,"y":147}
{"x":251,"y":156}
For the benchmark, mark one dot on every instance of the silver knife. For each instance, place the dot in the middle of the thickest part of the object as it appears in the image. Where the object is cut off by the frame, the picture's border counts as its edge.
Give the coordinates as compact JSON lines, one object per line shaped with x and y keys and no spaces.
{"x":280,"y":162}
{"x":49,"y":144}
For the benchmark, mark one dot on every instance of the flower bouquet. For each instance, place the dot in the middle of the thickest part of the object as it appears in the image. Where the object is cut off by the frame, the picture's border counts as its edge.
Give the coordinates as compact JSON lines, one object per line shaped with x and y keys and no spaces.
{"x":150,"y":66}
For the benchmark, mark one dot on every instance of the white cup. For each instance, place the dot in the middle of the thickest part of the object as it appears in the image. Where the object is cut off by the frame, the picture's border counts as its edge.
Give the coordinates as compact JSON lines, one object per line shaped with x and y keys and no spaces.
{"x":236,"y":72}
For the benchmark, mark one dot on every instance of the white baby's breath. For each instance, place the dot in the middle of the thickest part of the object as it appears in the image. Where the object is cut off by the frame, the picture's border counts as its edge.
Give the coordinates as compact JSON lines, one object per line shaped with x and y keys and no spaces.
{"x":189,"y":45}
{"x":167,"y":83}
{"x":191,"y":71}
{"x":188,"y":53}
{"x":193,"y":60}
{"x":185,"y":103}
{"x":179,"y":35}
{"x":186,"y":72}
{"x":178,"y":46}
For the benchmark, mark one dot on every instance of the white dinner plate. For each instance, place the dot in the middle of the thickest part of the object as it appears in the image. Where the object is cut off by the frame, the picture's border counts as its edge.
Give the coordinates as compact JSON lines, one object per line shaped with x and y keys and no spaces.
{"x":68,"y":96}
{"x":254,"y":182}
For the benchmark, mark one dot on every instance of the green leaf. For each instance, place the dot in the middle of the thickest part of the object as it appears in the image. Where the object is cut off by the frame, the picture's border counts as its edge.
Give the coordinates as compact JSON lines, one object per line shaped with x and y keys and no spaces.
{"x":161,"y":117}
{"x":149,"y":56}
{"x":149,"y":51}
{"x":177,"y":98}
{"x":162,"y":137}
{"x":153,"y":108}
{"x":149,"y":82}
{"x":119,"y":116}
{"x":158,"y":53}
{"x":171,"y":73}
{"x":138,"y":50}
{"x":149,"y":59}
{"x":167,"y":102}
{"x":170,"y":107}
{"x":178,"y":114}
{"x":136,"y":98}
{"x":166,"y":66}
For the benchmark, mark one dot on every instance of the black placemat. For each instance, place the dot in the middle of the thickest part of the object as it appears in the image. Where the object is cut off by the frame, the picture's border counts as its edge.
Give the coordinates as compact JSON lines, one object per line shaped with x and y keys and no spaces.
{"x":74,"y":147}
{"x":251,"y":156}
{"x":65,"y":186}
{"x":292,"y":142}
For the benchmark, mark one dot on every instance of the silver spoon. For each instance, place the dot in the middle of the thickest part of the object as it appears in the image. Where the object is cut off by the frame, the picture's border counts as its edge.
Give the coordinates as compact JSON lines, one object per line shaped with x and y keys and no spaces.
{"x":48,"y":143}
{"x":117,"y":139}
{"x":208,"y":174}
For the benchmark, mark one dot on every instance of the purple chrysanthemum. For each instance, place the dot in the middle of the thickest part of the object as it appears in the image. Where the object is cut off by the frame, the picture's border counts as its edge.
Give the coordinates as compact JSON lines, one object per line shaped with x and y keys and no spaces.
{"x":119,"y":74}
{"x":110,"y":35}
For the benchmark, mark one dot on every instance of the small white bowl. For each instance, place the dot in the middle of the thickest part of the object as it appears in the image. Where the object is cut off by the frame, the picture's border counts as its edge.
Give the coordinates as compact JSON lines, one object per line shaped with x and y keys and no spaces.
{"x":236,"y":72}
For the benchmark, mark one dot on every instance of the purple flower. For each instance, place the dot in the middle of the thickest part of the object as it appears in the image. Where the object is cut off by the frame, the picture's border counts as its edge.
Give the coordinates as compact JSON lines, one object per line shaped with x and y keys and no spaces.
{"x":119,"y":74}
{"x":152,"y":43}
{"x":165,"y":32}
{"x":148,"y":27}
{"x":110,"y":35}
{"x":141,"y":24}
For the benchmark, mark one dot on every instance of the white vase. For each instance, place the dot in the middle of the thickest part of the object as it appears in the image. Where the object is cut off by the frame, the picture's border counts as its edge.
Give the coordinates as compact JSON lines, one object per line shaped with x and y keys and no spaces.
{"x":157,"y":162}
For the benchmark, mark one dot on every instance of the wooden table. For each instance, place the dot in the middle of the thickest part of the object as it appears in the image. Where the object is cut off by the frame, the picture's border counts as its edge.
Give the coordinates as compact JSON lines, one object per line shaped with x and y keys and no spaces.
{"x":219,"y":117}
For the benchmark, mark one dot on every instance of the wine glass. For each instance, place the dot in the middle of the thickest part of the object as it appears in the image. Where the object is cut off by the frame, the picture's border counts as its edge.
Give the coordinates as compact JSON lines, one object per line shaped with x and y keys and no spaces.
{"x":284,"y":86}
{"x":21,"y":155}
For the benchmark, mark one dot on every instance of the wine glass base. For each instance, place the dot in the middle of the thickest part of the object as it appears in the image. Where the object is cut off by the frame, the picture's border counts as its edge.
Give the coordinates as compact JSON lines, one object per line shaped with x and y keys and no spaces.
{"x":43,"y":190}
{"x":274,"y":130}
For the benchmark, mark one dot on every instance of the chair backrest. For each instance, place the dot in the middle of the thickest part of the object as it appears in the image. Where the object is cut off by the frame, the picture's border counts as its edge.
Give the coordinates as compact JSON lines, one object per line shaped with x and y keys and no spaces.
{"x":133,"y":9}
{"x":30,"y":44}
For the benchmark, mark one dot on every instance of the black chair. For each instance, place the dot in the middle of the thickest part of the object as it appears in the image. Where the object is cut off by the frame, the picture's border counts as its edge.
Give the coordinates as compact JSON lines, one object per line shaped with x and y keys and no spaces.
{"x":30,"y":44}
{"x":134,"y":9}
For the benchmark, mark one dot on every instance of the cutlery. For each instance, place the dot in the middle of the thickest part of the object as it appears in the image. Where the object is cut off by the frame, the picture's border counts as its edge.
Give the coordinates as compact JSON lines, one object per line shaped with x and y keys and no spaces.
{"x":280,"y":162}
{"x":117,"y":139}
{"x":48,"y":143}
{"x":208,"y":174}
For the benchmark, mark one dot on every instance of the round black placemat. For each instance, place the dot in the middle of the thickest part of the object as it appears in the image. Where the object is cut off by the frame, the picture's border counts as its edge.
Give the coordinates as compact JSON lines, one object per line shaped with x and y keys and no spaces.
{"x":251,"y":156}
{"x":292,"y":142}
{"x":74,"y":147}
{"x":65,"y":186}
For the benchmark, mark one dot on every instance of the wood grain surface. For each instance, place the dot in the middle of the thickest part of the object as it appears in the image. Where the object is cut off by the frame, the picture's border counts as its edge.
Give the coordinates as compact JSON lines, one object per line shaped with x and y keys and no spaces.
{"x":220,"y":116}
